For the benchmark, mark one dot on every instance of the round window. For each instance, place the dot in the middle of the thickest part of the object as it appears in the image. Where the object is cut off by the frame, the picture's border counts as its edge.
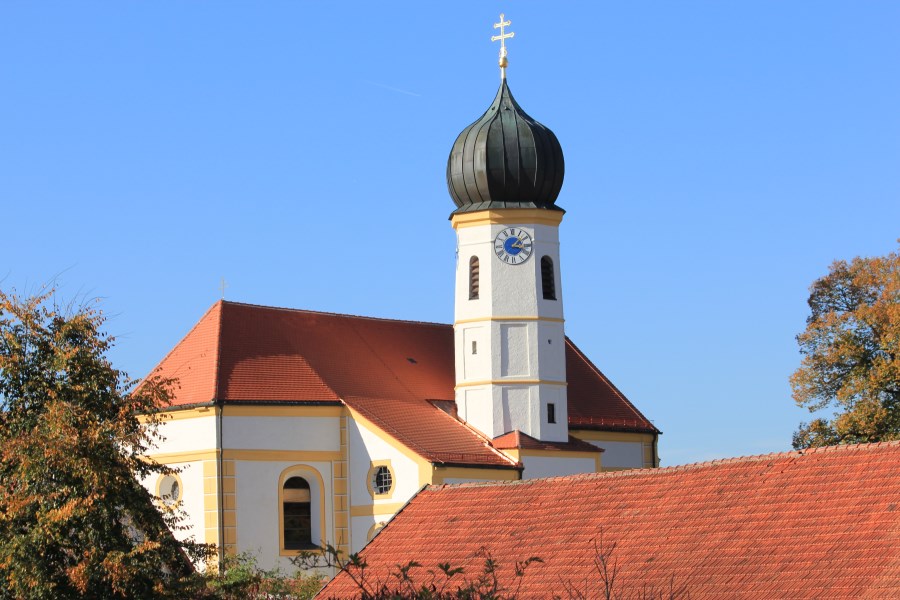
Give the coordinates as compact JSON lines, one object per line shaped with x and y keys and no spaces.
{"x":375,"y":529}
{"x":169,"y":489}
{"x":382,"y":480}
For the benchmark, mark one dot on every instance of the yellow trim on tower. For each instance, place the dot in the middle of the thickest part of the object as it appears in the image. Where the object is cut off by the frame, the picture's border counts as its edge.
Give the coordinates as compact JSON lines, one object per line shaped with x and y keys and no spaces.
{"x":508,"y":216}
{"x":510,"y":382}
{"x":513,"y":318}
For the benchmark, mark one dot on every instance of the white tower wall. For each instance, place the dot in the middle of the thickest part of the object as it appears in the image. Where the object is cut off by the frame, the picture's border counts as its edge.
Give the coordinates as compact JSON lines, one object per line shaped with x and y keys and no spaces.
{"x":510,"y":341}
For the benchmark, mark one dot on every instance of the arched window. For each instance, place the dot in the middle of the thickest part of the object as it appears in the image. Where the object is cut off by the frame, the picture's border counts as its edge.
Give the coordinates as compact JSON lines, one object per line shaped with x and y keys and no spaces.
{"x":297,"y":516}
{"x":548,"y":281}
{"x":473,"y":278}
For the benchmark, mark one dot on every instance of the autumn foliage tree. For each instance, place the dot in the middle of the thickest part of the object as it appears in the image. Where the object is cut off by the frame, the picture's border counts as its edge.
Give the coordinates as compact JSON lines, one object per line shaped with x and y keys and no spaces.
{"x":851,"y":354}
{"x":74,"y":520}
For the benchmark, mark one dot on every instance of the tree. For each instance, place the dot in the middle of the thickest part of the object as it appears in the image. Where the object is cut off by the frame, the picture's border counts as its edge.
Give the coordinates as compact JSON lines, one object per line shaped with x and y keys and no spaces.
{"x":408,"y":582}
{"x":243,"y":579}
{"x":850,"y":349}
{"x":74,"y":519}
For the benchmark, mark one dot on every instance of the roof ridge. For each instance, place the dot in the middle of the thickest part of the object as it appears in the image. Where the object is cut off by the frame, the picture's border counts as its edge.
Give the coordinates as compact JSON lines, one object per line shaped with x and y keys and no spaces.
{"x":661,"y":471}
{"x":333,"y":314}
{"x":218,"y":355}
{"x":184,"y":338}
{"x":488,"y":442}
{"x":386,"y":427}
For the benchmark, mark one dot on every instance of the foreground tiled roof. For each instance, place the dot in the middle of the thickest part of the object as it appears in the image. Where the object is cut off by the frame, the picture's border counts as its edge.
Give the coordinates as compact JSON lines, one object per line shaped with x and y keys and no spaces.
{"x":822,"y":523}
{"x":388,"y":371}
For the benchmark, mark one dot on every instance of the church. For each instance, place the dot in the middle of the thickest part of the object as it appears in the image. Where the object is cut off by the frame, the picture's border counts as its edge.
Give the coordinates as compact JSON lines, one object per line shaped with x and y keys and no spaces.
{"x":291,"y":429}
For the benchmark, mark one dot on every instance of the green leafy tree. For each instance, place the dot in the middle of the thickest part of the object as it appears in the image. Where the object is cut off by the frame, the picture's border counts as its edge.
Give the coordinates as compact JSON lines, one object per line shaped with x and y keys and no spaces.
{"x":851,"y":354}
{"x":74,"y":520}
{"x":243,"y":579}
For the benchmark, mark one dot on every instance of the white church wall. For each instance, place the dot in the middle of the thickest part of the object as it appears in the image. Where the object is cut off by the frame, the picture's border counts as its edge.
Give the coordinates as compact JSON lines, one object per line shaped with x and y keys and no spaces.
{"x":282,"y":433}
{"x":519,"y":335}
{"x":257,"y":506}
{"x":192,"y":486}
{"x":190,"y":481}
{"x":472,"y":344}
{"x":471,"y":241}
{"x":503,"y":286}
{"x":543,"y":466}
{"x":558,"y":431}
{"x":367,"y":447}
{"x":363,"y":528}
{"x":515,"y":294}
{"x":476,"y":407}
{"x":514,"y":411}
{"x":551,"y":339}
{"x":186,"y":434}
{"x":621,"y":455}
{"x":522,"y":407}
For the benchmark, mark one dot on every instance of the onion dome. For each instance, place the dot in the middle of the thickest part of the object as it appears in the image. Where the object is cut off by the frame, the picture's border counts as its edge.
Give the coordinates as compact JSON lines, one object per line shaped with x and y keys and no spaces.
{"x":505,"y":159}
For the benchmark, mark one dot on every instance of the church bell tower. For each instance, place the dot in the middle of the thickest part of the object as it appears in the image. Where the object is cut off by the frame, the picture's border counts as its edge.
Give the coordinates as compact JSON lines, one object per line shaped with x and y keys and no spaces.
{"x":504,"y":174}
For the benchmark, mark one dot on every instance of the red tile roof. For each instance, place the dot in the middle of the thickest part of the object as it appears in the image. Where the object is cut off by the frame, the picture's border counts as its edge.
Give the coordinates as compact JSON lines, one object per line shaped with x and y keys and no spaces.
{"x":516,"y":440}
{"x":384,"y":369}
{"x":822,"y":523}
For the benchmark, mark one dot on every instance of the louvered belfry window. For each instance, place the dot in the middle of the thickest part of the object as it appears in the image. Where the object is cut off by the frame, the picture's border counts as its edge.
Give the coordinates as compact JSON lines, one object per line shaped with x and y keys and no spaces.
{"x":473,"y":278}
{"x":548,"y":281}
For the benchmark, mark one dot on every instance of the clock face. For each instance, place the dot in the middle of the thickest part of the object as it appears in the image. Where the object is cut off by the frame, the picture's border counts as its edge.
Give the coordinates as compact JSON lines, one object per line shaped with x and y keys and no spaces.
{"x":513,"y":245}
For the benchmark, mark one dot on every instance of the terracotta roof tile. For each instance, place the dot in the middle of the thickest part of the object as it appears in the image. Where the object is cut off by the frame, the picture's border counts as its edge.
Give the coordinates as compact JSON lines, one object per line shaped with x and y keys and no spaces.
{"x":193,"y":362}
{"x":522,"y":441}
{"x":387,"y":370}
{"x":816,"y":524}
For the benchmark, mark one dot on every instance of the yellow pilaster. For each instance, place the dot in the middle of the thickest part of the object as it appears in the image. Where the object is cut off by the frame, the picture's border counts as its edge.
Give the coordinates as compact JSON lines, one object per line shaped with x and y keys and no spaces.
{"x":212,"y":480}
{"x":341,"y":487}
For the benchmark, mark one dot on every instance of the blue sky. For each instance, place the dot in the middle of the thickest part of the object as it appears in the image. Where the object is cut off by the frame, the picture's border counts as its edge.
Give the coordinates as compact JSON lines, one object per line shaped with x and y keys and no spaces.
{"x":719,"y":156}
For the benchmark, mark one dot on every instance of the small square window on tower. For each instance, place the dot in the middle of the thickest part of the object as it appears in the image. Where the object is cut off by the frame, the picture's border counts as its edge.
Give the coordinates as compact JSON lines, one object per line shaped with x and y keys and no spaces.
{"x":551,"y":412}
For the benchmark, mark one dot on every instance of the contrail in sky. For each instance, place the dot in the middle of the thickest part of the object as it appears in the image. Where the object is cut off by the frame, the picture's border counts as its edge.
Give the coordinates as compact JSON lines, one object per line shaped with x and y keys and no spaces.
{"x":393,"y":89}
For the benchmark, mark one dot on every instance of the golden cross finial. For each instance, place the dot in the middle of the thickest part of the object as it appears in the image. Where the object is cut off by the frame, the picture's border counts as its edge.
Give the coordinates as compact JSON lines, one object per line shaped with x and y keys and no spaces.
{"x":222,"y":287}
{"x":502,"y":37}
